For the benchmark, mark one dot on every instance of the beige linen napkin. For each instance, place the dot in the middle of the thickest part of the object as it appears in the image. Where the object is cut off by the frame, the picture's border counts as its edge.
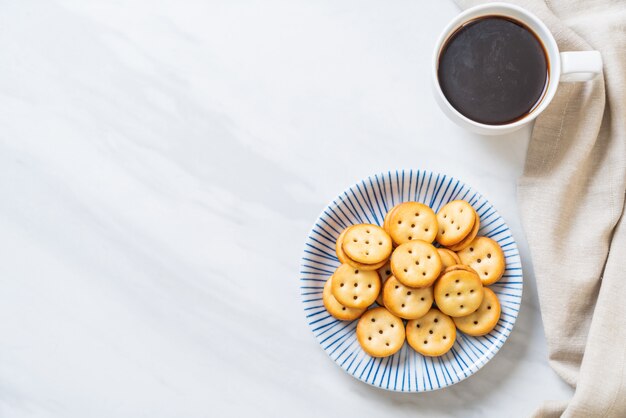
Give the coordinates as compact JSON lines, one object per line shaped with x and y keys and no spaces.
{"x":571,"y":197}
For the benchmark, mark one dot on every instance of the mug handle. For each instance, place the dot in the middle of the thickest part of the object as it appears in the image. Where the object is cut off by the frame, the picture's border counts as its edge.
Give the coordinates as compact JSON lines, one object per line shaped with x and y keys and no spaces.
{"x":580,"y":65}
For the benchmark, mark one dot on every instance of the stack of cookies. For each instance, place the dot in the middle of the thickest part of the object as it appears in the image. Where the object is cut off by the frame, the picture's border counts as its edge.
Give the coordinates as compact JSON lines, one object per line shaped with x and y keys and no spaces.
{"x":434,"y":290}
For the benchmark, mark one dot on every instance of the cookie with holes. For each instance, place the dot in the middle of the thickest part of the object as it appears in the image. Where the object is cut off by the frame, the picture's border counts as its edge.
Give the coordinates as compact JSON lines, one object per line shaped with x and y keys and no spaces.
{"x":412,"y":221}
{"x":380,"y":332}
{"x":416,"y":264}
{"x":456,"y":220}
{"x":458,"y":292}
{"x":469,"y":238}
{"x":431,"y":335}
{"x":407,"y":302}
{"x":336,"y":309}
{"x":355,"y":288}
{"x":448,"y":257}
{"x":344,"y":259}
{"x":484,"y":319}
{"x":384,"y":272}
{"x":367,"y":244}
{"x":486,"y":257}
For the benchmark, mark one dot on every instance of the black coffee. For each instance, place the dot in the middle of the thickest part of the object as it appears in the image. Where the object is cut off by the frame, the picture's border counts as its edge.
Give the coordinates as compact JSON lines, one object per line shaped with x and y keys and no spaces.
{"x":493,"y":70}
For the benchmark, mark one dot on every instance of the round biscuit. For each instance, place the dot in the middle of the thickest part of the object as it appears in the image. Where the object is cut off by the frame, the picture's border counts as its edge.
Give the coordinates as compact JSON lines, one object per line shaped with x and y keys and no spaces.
{"x":416,"y":264}
{"x":336,"y":309}
{"x":432,"y":335}
{"x":448,"y":257}
{"x":367,"y":244}
{"x":458,"y":292}
{"x":484,"y":319}
{"x":355,"y":288}
{"x":344,"y":259}
{"x":486,"y":257}
{"x":380,"y":332}
{"x":412,"y":221}
{"x":469,"y":238}
{"x":456,"y":220}
{"x":406,"y":302}
{"x":384,"y":272}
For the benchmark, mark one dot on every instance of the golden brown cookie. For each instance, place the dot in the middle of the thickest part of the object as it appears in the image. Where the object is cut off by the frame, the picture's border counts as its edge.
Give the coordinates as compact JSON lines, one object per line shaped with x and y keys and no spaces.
{"x":469,"y":238}
{"x":416,"y":264}
{"x":456,"y":220}
{"x":484,"y":319}
{"x":336,"y":309}
{"x":354,"y":288}
{"x":384,"y":272}
{"x":412,"y":221}
{"x":486,"y":257}
{"x":458,"y":292}
{"x":431,"y":335}
{"x":367,"y":244}
{"x":380,"y":333}
{"x":448,"y":257}
{"x":407,"y":302}
{"x":344,"y":259}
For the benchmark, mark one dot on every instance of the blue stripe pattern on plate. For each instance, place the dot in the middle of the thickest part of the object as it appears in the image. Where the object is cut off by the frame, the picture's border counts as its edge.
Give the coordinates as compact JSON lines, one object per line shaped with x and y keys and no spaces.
{"x":407,"y":371}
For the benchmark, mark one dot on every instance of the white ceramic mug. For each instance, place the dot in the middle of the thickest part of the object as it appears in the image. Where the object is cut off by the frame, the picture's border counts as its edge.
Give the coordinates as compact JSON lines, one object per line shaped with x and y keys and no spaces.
{"x":564,"y":66}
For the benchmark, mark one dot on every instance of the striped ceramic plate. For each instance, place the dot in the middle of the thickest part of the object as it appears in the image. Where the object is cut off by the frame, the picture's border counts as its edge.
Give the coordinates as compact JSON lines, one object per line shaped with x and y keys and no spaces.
{"x":407,"y":371}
